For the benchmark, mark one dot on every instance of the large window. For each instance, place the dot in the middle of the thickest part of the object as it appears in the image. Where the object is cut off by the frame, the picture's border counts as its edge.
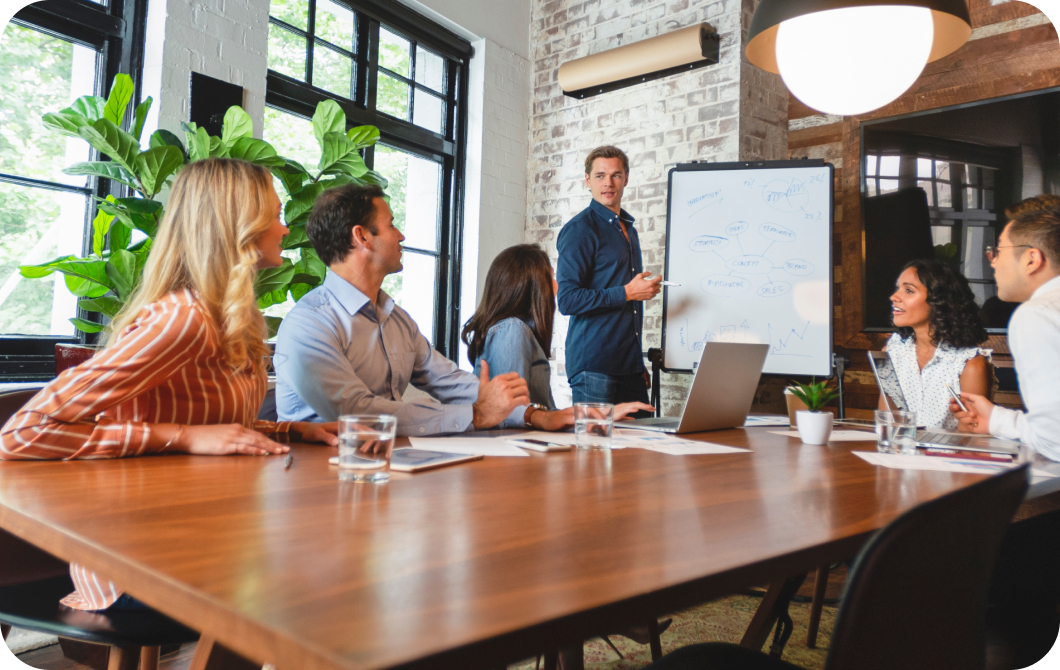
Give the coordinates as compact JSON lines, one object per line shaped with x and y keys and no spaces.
{"x":52,"y":53}
{"x":405,"y":75}
{"x":42,"y":211}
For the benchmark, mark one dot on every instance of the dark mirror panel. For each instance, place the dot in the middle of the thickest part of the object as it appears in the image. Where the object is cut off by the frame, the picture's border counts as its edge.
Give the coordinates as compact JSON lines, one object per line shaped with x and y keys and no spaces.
{"x":936,"y":185}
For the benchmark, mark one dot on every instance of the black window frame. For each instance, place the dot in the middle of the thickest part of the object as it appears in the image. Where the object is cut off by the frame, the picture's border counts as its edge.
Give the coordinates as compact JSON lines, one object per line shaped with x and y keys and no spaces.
{"x":448,"y":148}
{"x":117,"y":31}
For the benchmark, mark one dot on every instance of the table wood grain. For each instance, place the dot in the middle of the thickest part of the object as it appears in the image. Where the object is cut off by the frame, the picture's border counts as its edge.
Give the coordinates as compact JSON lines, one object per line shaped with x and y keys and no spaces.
{"x":477,"y":564}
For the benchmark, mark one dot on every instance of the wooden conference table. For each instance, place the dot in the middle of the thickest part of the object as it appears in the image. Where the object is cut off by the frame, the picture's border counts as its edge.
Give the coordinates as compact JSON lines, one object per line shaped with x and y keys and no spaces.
{"x":469,"y":566}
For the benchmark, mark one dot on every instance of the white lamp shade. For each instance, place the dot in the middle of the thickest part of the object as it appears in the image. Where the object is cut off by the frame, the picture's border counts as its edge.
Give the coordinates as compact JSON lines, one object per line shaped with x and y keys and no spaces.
{"x":854,"y":60}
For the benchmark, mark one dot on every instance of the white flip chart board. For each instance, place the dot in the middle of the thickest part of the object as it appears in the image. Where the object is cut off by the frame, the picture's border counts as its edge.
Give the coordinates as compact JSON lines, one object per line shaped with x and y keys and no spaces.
{"x":751,"y":246}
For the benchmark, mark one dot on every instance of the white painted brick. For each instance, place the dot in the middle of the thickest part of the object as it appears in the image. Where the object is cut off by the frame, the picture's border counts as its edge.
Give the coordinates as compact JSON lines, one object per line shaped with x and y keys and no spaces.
{"x":698,"y":115}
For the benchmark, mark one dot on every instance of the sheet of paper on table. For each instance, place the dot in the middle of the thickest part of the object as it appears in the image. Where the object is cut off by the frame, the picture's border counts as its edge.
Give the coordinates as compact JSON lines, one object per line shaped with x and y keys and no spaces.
{"x":756,"y":421}
{"x":476,"y":445}
{"x":628,"y":438}
{"x":938,"y":463}
{"x":837,"y":435}
{"x":667,"y":444}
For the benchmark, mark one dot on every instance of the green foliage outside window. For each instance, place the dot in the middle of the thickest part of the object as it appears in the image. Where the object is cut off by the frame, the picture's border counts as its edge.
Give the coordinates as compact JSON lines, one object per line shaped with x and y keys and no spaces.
{"x":37,"y":71}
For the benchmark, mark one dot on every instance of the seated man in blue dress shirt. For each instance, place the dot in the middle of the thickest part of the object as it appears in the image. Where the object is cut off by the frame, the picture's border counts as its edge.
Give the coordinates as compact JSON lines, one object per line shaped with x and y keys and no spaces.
{"x":346,"y":348}
{"x":602,"y":287}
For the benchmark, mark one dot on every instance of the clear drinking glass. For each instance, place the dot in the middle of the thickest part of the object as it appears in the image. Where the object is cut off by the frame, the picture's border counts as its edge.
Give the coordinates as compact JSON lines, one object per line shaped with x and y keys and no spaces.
{"x":593,"y":424}
{"x":895,"y":432}
{"x":366,"y":442}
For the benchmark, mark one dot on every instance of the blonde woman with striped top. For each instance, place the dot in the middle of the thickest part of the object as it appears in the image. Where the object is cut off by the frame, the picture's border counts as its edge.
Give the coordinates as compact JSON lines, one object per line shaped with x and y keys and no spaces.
{"x":183,"y":367}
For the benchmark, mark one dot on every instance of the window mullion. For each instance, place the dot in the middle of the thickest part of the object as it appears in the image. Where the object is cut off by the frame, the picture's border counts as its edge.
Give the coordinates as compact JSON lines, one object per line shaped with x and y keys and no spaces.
{"x":310,"y":41}
{"x":373,"y":64}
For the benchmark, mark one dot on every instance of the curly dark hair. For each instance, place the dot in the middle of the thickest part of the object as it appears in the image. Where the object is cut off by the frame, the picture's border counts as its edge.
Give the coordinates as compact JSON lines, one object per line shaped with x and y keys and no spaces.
{"x":955,"y":319}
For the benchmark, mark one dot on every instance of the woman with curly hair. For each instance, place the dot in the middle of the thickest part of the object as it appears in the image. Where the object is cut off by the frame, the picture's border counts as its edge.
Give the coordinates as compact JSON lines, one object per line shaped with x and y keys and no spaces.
{"x":940,"y":327}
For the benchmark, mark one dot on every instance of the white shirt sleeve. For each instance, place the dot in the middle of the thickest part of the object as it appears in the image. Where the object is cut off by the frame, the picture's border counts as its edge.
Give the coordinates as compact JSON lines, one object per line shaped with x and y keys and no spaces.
{"x":1034,"y":338}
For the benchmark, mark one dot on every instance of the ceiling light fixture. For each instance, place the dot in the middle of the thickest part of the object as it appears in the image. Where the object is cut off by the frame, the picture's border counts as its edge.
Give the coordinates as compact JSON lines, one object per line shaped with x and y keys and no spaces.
{"x":853,"y":56}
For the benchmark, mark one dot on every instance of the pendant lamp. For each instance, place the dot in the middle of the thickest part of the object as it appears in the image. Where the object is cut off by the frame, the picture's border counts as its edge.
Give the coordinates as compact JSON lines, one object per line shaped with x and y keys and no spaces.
{"x":850,"y":57}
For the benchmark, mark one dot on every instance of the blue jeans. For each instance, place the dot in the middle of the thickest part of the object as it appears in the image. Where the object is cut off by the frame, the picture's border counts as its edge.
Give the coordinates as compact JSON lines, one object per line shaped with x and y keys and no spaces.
{"x":597,"y":387}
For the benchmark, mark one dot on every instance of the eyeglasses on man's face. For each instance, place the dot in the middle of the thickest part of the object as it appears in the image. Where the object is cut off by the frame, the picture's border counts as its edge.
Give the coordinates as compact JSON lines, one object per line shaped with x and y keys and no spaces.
{"x":992,"y":252}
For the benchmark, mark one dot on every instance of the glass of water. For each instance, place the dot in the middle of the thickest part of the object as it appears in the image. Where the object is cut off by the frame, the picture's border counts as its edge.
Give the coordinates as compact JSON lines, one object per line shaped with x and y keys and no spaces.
{"x":366,"y":442}
{"x":895,"y":432}
{"x":593,"y":424}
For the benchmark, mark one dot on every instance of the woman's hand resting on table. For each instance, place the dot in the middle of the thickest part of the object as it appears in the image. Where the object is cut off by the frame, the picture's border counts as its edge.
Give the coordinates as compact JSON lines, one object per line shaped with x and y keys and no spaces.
{"x":562,"y":419}
{"x":233,"y":438}
{"x":221,"y":440}
{"x":625,"y":409}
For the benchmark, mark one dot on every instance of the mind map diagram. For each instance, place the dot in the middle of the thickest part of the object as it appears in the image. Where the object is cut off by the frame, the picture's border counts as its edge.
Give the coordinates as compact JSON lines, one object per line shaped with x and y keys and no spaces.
{"x":743,"y":259}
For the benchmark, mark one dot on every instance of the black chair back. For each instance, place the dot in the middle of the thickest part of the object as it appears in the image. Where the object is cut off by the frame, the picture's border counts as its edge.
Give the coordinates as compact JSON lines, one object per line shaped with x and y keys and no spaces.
{"x":917,"y":594}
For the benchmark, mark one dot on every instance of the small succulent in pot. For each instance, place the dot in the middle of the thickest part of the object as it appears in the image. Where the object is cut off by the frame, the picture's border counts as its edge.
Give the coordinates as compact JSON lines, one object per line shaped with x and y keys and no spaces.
{"x":815,"y":395}
{"x":815,"y":425}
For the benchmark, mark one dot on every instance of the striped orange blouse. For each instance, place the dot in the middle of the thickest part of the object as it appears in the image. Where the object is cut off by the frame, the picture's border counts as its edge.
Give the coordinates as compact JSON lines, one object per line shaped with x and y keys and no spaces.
{"x":165,"y":367}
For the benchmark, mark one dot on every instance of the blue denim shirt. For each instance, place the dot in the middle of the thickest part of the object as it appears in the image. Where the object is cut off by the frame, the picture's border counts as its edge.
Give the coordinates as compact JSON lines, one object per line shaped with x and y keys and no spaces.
{"x":595,"y":264}
{"x":512,"y":347}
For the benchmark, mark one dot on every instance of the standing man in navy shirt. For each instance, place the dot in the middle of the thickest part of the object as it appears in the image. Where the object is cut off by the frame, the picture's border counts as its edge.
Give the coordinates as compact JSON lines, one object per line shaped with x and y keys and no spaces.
{"x":602,"y":287}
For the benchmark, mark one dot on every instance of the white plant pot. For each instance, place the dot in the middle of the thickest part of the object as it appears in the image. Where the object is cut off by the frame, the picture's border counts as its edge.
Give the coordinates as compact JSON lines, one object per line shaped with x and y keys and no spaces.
{"x":814,"y":427}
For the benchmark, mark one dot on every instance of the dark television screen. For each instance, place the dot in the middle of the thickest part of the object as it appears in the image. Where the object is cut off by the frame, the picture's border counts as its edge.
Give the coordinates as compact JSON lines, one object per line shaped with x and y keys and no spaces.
{"x":936,"y":185}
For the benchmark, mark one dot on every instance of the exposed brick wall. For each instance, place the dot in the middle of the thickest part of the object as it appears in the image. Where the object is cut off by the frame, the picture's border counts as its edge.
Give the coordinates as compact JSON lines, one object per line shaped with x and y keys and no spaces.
{"x":224,"y":39}
{"x":724,"y":112}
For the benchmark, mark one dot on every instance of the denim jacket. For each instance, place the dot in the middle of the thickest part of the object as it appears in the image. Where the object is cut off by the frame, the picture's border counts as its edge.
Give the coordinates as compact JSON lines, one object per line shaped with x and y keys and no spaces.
{"x":512,"y":347}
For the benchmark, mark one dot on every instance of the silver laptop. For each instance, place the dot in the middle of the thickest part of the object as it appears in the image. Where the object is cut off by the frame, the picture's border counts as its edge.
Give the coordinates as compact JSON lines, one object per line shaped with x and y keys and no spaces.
{"x":723,"y":388}
{"x":887,"y":380}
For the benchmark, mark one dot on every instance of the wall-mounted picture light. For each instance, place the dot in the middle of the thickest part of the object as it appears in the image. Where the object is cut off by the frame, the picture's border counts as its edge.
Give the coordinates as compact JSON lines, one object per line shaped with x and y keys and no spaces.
{"x":656,"y":57}
{"x":850,"y":57}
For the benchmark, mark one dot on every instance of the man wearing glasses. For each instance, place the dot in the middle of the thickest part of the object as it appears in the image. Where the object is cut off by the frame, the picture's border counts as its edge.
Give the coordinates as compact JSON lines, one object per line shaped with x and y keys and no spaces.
{"x":1026,"y":265}
{"x":1026,"y":585}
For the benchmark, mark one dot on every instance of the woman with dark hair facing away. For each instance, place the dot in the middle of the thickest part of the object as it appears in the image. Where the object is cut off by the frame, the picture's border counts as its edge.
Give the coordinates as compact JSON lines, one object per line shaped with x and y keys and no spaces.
{"x":940,"y":327}
{"x":183,"y":367}
{"x":512,"y":332}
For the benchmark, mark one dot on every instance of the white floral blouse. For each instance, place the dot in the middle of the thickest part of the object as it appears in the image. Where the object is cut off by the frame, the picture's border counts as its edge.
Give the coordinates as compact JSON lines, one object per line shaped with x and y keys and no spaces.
{"x":924,"y":390}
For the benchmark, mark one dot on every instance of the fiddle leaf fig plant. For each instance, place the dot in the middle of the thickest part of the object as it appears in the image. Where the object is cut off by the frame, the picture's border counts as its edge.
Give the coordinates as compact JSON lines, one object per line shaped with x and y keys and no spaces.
{"x":123,"y":228}
{"x":815,"y":394}
{"x":340,"y":164}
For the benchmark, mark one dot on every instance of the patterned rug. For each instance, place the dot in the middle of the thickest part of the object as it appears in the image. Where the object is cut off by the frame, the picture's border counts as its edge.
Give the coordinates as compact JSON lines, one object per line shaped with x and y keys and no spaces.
{"x":722,"y":620}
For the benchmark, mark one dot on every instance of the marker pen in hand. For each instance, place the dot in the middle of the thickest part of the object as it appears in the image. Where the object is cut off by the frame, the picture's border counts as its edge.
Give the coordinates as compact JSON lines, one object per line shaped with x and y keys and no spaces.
{"x":668,"y":283}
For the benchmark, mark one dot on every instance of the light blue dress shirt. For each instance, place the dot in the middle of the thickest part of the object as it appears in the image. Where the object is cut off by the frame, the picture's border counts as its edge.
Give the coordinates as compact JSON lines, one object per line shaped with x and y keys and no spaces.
{"x":336,"y":354}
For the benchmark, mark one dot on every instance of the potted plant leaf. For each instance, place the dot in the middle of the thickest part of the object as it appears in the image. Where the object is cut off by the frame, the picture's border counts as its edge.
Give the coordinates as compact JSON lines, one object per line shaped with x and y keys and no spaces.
{"x":814,"y":423}
{"x":340,"y":164}
{"x":124,"y":227}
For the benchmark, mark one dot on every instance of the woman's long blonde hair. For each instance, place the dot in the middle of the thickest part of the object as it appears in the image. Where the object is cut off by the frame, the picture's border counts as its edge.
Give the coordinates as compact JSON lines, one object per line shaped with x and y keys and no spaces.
{"x":206,"y":242}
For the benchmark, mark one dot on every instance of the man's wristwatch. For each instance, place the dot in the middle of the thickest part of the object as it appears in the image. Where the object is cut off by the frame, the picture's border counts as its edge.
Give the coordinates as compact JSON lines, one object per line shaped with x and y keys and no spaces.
{"x":533,"y":407}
